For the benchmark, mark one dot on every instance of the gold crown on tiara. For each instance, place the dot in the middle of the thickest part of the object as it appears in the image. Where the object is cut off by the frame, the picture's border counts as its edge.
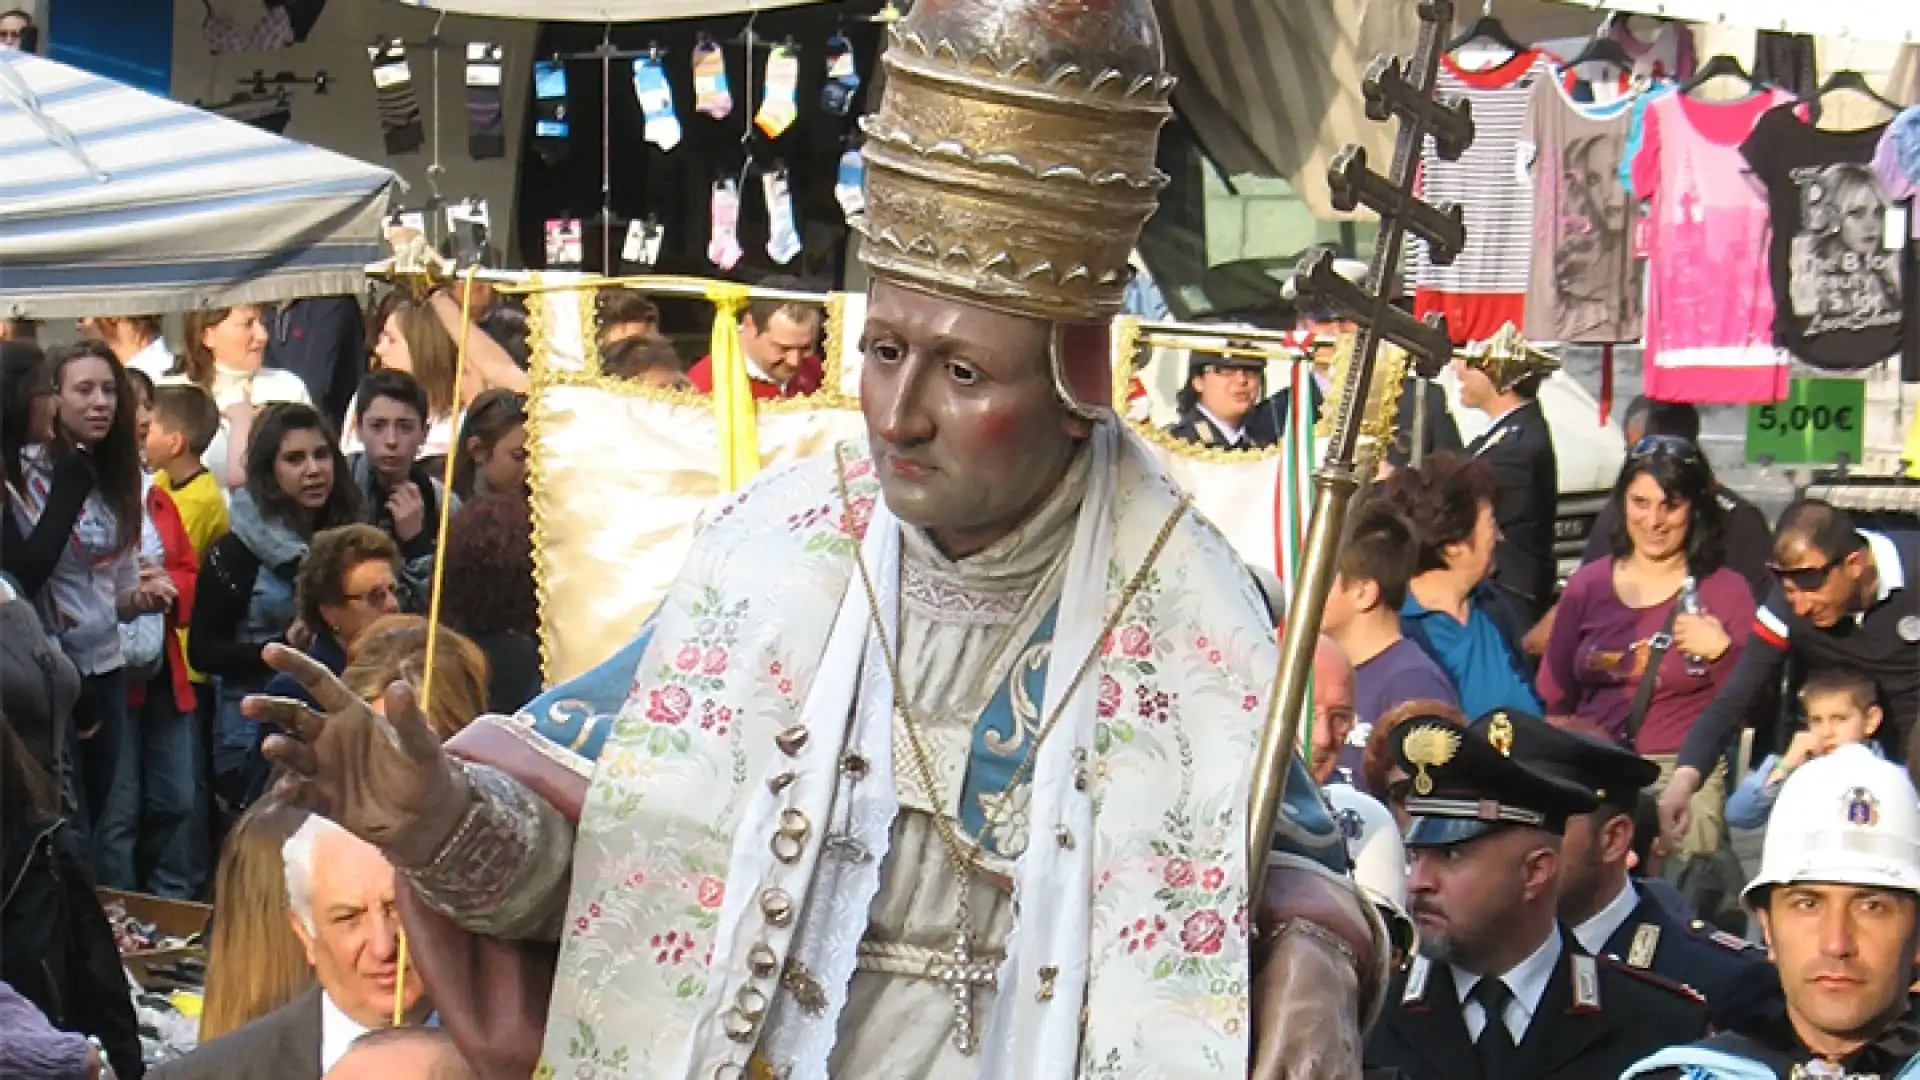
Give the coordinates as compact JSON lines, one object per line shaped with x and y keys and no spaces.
{"x":1506,"y":357}
{"x":1011,"y":161}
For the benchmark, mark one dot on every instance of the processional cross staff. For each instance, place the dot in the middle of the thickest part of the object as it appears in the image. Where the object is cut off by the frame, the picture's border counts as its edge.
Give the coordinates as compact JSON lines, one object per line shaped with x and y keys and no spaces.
{"x":1406,"y":91}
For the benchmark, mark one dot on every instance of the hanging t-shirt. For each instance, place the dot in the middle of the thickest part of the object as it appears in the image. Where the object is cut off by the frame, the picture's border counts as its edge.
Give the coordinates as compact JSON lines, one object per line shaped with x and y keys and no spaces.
{"x":1666,"y":53}
{"x":1896,"y":164}
{"x":1836,"y":281}
{"x":1709,"y":304}
{"x":1585,"y":284}
{"x":1486,"y":286}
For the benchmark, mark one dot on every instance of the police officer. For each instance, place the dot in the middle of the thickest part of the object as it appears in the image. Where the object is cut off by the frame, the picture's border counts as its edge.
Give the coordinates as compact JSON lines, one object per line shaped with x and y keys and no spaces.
{"x":1500,"y":991}
{"x":1837,"y":896}
{"x":1217,"y":404}
{"x":1502,"y":377}
{"x":1607,"y":912}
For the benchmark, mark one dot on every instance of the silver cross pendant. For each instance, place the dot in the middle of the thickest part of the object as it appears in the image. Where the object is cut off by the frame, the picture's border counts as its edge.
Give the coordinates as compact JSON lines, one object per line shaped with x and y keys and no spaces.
{"x":961,"y":973}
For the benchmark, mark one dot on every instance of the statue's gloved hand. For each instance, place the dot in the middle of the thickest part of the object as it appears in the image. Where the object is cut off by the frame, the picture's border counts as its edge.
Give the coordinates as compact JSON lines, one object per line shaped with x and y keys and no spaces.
{"x":1306,"y":1010}
{"x":383,"y":778}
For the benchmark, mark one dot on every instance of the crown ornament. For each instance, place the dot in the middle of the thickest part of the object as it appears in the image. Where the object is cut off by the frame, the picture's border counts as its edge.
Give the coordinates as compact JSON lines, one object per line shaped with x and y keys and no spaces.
{"x":1011,"y":160}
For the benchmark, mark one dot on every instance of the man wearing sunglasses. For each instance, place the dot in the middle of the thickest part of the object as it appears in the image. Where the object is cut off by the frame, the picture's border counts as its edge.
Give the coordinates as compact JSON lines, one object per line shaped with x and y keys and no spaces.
{"x":1843,"y":597}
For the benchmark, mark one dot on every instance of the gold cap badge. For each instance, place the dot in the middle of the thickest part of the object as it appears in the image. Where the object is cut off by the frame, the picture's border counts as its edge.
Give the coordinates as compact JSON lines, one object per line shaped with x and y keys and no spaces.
{"x":1428,"y":747}
{"x":1507,"y":358}
{"x":1500,"y":734}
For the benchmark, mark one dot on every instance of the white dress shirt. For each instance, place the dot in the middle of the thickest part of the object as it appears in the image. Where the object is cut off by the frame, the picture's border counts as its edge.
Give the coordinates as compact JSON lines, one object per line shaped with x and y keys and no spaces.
{"x":337,"y":1032}
{"x":1595,"y":932}
{"x":1528,"y":982}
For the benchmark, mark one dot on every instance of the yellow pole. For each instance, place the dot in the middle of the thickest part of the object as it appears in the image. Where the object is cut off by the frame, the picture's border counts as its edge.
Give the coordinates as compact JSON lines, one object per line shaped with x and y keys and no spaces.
{"x":433,"y":600}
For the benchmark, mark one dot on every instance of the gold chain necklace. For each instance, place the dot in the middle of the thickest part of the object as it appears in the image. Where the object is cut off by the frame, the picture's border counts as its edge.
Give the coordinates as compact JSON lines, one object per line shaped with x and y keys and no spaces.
{"x":958,"y":968}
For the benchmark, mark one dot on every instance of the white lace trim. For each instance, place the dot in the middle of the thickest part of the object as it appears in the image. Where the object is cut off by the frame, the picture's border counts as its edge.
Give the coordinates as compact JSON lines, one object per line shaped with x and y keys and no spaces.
{"x":937,"y":597}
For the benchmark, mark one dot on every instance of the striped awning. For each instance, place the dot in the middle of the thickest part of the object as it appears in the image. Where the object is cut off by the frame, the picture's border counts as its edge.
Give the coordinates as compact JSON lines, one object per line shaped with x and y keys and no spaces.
{"x":1272,"y":87}
{"x":116,"y":202}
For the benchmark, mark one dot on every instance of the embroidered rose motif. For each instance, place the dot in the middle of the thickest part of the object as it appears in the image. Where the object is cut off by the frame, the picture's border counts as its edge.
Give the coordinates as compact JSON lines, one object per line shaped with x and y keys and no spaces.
{"x":688,"y":658}
{"x":1135,"y":642}
{"x":859,"y":468}
{"x":859,"y":512}
{"x":668,"y":704}
{"x":711,"y":891}
{"x":1203,"y":932}
{"x":714,"y":662}
{"x":1178,"y":874}
{"x":1249,"y":703}
{"x":1142,"y":933}
{"x":1109,"y":697}
{"x":1213,"y":878}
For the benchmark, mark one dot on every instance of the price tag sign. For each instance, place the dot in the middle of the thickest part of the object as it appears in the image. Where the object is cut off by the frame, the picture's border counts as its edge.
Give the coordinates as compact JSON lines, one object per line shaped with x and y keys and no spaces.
{"x":1820,"y":421}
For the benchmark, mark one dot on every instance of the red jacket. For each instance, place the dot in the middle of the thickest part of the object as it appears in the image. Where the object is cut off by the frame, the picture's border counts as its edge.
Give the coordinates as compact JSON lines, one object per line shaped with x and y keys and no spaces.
{"x":184,"y":569}
{"x":805,"y":380}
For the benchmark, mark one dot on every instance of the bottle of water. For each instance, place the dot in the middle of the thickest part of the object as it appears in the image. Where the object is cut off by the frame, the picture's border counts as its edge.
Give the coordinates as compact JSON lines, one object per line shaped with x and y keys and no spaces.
{"x":1690,"y":605}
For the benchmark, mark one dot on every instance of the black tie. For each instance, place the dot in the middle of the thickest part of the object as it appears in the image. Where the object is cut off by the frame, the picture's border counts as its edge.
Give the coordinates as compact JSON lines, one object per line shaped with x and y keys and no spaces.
{"x":1495,"y":1046}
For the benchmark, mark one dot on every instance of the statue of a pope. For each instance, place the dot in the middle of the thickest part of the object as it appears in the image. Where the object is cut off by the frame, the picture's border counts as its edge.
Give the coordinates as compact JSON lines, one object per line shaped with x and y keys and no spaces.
{"x":935,"y":761}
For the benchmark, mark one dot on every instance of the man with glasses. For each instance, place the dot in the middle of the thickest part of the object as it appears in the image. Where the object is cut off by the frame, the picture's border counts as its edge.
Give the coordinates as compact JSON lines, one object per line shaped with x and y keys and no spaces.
{"x":1842,"y":598}
{"x":18,"y":32}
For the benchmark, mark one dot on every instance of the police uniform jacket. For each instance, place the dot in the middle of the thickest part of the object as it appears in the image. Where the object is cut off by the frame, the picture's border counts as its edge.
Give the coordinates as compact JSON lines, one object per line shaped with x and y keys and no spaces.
{"x":1520,"y":450}
{"x":1594,"y":1020}
{"x":1199,"y":429}
{"x":1740,"y":985}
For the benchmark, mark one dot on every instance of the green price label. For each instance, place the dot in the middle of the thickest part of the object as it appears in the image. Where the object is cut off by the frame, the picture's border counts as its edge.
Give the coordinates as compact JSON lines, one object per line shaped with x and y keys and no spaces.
{"x":1821,"y":421}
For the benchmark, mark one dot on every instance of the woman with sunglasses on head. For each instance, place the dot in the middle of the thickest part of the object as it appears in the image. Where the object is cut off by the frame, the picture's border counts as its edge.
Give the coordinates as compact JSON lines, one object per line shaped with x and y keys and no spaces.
{"x":296,"y":487}
{"x":1645,"y":638}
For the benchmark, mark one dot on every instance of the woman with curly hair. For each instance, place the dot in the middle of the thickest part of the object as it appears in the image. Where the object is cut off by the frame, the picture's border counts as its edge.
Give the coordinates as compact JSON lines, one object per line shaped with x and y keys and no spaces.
{"x":1452,"y":609}
{"x":491,"y":540}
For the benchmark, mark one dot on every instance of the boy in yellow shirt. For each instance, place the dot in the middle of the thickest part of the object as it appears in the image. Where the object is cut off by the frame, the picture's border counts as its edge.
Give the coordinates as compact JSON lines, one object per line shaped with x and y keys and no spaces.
{"x":185,"y":420}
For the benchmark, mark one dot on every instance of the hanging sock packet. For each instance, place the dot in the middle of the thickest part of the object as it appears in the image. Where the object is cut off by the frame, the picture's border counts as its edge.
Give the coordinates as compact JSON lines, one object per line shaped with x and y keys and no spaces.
{"x":783,"y":235}
{"x":486,"y":122}
{"x":778,"y":109}
{"x":849,"y":184}
{"x":723,"y":249}
{"x":550,"y":126}
{"x":843,"y":81}
{"x":662,"y":124}
{"x":710,"y":93}
{"x":394,"y":98}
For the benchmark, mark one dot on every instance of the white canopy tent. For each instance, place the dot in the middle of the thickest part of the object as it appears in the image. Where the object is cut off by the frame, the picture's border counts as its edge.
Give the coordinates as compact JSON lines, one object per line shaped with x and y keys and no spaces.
{"x":117,"y":202}
{"x":602,"y":11}
{"x":1859,"y":20}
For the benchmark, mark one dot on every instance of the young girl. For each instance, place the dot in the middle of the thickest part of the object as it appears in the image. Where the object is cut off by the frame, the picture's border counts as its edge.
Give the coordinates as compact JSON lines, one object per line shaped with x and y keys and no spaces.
{"x":97,"y":582}
{"x":493,"y":447}
{"x":296,"y":486}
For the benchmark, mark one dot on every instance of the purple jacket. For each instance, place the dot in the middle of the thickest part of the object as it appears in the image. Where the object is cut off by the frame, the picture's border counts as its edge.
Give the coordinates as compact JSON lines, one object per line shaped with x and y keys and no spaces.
{"x":33,"y":1049}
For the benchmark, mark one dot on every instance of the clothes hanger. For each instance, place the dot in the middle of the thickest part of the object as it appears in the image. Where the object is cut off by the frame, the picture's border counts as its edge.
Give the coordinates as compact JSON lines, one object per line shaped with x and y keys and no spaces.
{"x":1603,"y":48}
{"x":1487,"y":28}
{"x":1848,"y":79}
{"x":1720,"y":64}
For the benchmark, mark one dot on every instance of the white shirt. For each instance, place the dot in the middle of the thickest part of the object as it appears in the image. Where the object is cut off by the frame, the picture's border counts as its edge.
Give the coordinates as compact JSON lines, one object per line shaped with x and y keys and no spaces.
{"x":337,"y":1032}
{"x":1594,"y":934}
{"x":1528,"y":981}
{"x":156,"y":360}
{"x":266,"y":386}
{"x":1231,"y":432}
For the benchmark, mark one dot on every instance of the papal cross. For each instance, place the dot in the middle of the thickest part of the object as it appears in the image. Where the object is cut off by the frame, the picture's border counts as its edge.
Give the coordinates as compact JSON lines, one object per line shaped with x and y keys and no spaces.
{"x":961,"y":973}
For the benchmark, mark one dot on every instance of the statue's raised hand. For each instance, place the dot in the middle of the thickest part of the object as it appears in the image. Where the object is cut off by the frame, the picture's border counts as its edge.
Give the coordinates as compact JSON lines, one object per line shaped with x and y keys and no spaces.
{"x":383,"y":778}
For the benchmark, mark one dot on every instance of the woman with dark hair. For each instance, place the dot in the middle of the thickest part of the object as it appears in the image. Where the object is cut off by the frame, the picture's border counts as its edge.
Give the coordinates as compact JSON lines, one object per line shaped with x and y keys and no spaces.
{"x":56,"y":946}
{"x":226,"y":351}
{"x":98,"y":580}
{"x":491,"y":540}
{"x":1605,"y":661}
{"x":493,"y":447}
{"x":1452,"y":608}
{"x":296,"y":486}
{"x":1218,"y":400}
{"x":28,"y":405}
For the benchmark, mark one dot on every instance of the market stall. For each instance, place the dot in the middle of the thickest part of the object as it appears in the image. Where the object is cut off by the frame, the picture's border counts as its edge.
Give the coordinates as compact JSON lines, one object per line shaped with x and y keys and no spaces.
{"x":118,"y":202}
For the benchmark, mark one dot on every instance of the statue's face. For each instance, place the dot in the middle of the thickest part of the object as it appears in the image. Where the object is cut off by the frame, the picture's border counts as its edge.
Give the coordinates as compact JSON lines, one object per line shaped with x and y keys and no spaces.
{"x":967,"y":434}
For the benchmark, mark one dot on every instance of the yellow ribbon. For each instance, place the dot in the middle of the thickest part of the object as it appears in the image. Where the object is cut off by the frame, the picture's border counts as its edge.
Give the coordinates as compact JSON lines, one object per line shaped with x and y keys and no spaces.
{"x":734,"y":411}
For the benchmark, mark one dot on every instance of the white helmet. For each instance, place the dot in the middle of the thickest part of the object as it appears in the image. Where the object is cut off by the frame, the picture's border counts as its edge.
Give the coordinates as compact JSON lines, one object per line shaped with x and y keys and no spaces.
{"x":1849,"y":818}
{"x":1375,"y":848}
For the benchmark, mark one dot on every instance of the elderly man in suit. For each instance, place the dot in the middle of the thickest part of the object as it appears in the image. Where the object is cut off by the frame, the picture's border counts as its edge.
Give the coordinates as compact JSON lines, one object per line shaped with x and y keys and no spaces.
{"x":406,"y":1053}
{"x":340,"y":897}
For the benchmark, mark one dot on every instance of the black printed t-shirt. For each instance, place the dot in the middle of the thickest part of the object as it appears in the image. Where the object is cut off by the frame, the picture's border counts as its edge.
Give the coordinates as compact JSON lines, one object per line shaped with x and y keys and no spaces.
{"x":1838,"y":292}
